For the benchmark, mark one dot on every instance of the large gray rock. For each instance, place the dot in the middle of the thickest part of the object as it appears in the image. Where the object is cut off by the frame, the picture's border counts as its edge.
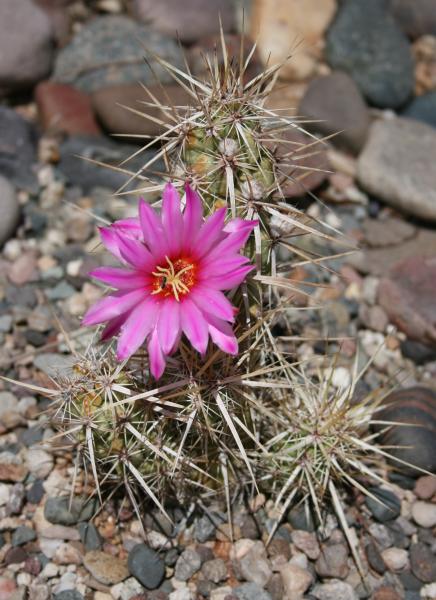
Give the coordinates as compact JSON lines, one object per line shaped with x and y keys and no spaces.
{"x":17,"y":149}
{"x":416,"y":17}
{"x":365,"y":41}
{"x":10,"y":210}
{"x":26,"y":45}
{"x":336,"y":104}
{"x":107,"y":51}
{"x":190,"y":19}
{"x":397,"y":166}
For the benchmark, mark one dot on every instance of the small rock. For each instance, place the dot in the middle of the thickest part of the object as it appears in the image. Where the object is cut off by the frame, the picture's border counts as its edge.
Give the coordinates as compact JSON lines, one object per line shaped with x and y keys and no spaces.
{"x":106,"y":52}
{"x":365,"y":42}
{"x":254,"y":566}
{"x":386,"y":592}
{"x":8,"y":403}
{"x":35,"y":493}
{"x":422,"y":108}
{"x":146,"y":565}
{"x":428,"y":592}
{"x":58,"y":511}
{"x":415,"y":18}
{"x":189,"y":22}
{"x":395,"y":166}
{"x":332,"y":562}
{"x":23,"y":269}
{"x":389,"y":506}
{"x":306,"y":542}
{"x":425,"y":487}
{"x":53,"y":364}
{"x":90,"y":536}
{"x":375,"y":559}
{"x":336,"y":103}
{"x":395,"y":559}
{"x":39,"y":461}
{"x":295,"y":581}
{"x":67,"y":554}
{"x":215,"y":570}
{"x":334,"y":590}
{"x":188,"y":563}
{"x":15,"y":556}
{"x":26,"y":46}
{"x":60,"y":291}
{"x":12,"y":468}
{"x":423,"y":562}
{"x":68,"y":595}
{"x":105,"y":568}
{"x":63,"y":108}
{"x":417,"y":352}
{"x":4,"y":493}
{"x":22,"y":535}
{"x":17,"y":148}
{"x":424,"y":514}
{"x":249,"y":591}
{"x":373,"y":317}
{"x":10,"y":210}
{"x":7,"y":588}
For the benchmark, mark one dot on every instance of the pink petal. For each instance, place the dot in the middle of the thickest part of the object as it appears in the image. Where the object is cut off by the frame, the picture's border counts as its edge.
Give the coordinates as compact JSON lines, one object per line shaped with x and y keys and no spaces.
{"x":210,"y":233}
{"x":172,"y":220}
{"x":238,"y":224}
{"x":156,"y":356}
{"x":194,"y":325}
{"x":229,"y":280}
{"x":120,"y":278}
{"x":136,"y":328}
{"x":130,"y":227}
{"x":222,"y":335}
{"x":223,"y":264}
{"x":110,"y":240}
{"x":112,"y":306}
{"x":136,"y":254}
{"x":213,"y":301}
{"x":232,"y":243}
{"x":113,"y":327}
{"x":168,"y":325}
{"x":152,"y":229}
{"x":192,"y":216}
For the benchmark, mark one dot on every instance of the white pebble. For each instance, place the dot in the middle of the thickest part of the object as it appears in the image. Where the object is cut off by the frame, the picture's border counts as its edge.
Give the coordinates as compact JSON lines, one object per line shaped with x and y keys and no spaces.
{"x":424,"y":514}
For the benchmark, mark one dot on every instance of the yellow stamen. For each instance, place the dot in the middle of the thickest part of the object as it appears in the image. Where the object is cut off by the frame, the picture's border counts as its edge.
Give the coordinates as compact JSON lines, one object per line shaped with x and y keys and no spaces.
{"x":169,"y":277}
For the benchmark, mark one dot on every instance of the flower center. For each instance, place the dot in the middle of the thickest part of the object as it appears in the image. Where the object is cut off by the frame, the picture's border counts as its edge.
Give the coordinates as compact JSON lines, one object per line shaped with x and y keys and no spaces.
{"x":174,"y":280}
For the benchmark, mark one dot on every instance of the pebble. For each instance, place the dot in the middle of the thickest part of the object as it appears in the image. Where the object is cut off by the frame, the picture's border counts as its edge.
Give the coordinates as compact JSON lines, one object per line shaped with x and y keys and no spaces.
{"x":365,"y":42}
{"x":17,"y":147}
{"x":416,"y":18}
{"x":10,"y":210}
{"x":53,"y":364}
{"x":295,"y":581}
{"x":8,"y":403}
{"x":215,"y":570}
{"x":35,"y":493}
{"x":57,"y":510}
{"x":12,"y":468}
{"x":395,"y":559}
{"x":22,"y":535}
{"x":90,"y":536}
{"x":428,"y":591}
{"x":204,"y":529}
{"x":334,"y":590}
{"x":249,"y":591}
{"x":4,"y":493}
{"x":188,"y":563}
{"x":67,"y":554}
{"x":7,"y":588}
{"x":254,"y":566}
{"x":112,"y":41}
{"x":374,"y":558}
{"x":147,"y":566}
{"x":39,"y":462}
{"x":336,"y":103}
{"x":423,"y":562}
{"x":191,"y":21}
{"x":425,"y":487}
{"x":332,"y":561}
{"x":424,"y":514}
{"x":26,"y":45}
{"x":395,"y":165}
{"x":105,"y":568}
{"x":68,"y":595}
{"x":387,"y":508}
{"x":422,"y":108}
{"x":306,"y":542}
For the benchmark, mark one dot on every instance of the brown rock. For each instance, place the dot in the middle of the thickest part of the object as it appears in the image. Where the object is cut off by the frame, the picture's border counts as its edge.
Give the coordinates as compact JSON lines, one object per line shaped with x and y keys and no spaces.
{"x":63,"y":108}
{"x":279,"y":24}
{"x":386,"y":592}
{"x":12,"y":472}
{"x":408,"y":294}
{"x":15,"y":556}
{"x":423,"y":562}
{"x":425,"y":487}
{"x":23,"y":269}
{"x":105,"y":568}
{"x":332,"y":561}
{"x":387,"y":232}
{"x":306,"y":542}
{"x":117,"y":119}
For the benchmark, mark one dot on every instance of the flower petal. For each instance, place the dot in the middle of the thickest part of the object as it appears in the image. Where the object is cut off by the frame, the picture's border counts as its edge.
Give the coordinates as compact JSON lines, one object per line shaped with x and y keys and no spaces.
{"x":172,"y":220}
{"x":136,"y":254}
{"x":112,"y":306}
{"x":121,"y":279}
{"x":192,"y":216}
{"x":113,"y":327}
{"x":221,"y":265}
{"x":213,"y":301}
{"x":110,"y":241}
{"x":168,"y":325}
{"x":233,"y":242}
{"x":210,"y":233}
{"x":130,"y":227}
{"x":136,"y":328}
{"x":152,"y":229}
{"x":222,"y":335}
{"x":194,"y":325}
{"x":230,"y":280}
{"x":238,"y":224}
{"x":156,"y":356}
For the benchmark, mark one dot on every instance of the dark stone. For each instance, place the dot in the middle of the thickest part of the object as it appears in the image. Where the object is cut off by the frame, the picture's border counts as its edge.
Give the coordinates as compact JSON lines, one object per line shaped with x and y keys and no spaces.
{"x":387,"y":509}
{"x":336,"y":103}
{"x":16,"y":499}
{"x":422,"y":108}
{"x":107,"y":51}
{"x":22,"y":535}
{"x":332,"y":562}
{"x":57,"y":510}
{"x":205,"y":527}
{"x":146,"y":565}
{"x":415,"y":17}
{"x":15,"y":556}
{"x":31,"y":436}
{"x":35,"y":338}
{"x":17,"y":150}
{"x":365,"y":41}
{"x":418,"y":352}
{"x":409,"y":581}
{"x":68,"y":595}
{"x":423,"y":562}
{"x":171,"y":557}
{"x":35,"y":219}
{"x":78,"y":171}
{"x":415,"y":441}
{"x":300,"y":519}
{"x":21,"y":296}
{"x":375,"y":559}
{"x":90,"y":536}
{"x":36,"y":492}
{"x":32,"y":566}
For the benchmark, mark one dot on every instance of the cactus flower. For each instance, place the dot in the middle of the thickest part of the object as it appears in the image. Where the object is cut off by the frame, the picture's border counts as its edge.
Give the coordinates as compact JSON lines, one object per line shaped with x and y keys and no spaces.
{"x":175,"y":268}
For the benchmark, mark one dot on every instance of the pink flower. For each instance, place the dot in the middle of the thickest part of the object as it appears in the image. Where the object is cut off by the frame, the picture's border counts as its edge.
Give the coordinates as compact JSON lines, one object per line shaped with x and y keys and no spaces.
{"x":175,"y":267}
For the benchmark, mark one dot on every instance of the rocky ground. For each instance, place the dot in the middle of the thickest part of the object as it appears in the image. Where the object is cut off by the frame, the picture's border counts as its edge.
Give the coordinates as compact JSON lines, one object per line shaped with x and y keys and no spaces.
{"x":367,"y":70}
